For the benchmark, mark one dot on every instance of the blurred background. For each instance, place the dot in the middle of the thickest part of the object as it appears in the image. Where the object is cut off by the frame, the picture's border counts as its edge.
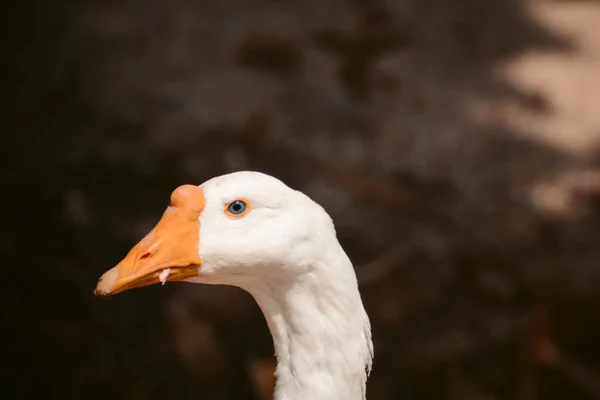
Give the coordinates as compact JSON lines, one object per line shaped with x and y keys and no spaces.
{"x":454,"y":143}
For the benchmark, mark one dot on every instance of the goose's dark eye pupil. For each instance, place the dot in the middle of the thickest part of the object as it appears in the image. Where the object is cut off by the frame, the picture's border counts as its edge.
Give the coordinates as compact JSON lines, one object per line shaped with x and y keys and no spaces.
{"x":237,"y":207}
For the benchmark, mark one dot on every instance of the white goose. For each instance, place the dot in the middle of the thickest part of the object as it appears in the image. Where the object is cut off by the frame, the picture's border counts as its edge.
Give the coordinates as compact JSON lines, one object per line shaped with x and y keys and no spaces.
{"x":250,"y":230}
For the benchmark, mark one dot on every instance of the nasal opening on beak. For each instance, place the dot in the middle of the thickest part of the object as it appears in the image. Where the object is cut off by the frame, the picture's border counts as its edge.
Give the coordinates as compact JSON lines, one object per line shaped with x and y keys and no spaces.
{"x":171,"y":245}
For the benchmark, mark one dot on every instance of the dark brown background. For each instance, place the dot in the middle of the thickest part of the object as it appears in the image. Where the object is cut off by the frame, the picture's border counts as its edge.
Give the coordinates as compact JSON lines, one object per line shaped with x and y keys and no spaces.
{"x":466,"y":196}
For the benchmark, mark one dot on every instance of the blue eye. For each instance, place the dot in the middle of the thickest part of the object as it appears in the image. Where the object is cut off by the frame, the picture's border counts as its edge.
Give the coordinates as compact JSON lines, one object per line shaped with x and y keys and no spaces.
{"x":237,"y":207}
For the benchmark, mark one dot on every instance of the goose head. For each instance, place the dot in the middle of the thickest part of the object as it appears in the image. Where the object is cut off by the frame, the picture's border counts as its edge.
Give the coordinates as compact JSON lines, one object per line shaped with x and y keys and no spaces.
{"x":235,"y":229}
{"x":250,"y":230}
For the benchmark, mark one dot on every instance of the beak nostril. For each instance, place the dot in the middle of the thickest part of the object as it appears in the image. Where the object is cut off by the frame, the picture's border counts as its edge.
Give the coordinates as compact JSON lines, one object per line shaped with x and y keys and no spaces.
{"x":144,"y":256}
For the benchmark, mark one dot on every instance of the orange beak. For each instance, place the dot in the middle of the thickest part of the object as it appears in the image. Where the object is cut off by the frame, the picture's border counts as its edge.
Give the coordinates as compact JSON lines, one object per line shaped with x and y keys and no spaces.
{"x":173,"y":243}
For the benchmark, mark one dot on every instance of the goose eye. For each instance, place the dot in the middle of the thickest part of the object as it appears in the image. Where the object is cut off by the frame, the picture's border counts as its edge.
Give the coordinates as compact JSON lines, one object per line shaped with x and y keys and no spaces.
{"x":237,"y":208}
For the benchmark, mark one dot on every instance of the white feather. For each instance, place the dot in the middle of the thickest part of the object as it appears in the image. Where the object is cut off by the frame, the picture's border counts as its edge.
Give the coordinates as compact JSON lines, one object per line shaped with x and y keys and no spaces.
{"x":163,"y":275}
{"x":286,"y":254}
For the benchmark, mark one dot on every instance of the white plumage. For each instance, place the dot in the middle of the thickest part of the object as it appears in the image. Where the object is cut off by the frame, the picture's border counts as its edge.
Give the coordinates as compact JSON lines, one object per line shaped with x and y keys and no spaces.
{"x":285,"y":253}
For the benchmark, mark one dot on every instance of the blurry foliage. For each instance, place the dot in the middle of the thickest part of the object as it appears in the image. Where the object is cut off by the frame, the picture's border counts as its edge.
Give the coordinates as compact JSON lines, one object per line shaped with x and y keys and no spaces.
{"x":108,"y":106}
{"x":270,"y":53}
{"x":371,"y":38}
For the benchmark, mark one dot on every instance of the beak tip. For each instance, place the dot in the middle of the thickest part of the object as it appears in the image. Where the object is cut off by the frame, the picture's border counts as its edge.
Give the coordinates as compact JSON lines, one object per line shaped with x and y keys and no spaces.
{"x":105,"y":285}
{"x":102,"y":294}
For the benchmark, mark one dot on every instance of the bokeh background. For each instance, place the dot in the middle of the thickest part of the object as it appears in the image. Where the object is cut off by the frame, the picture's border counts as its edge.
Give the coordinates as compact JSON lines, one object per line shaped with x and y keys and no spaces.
{"x":454,"y":143}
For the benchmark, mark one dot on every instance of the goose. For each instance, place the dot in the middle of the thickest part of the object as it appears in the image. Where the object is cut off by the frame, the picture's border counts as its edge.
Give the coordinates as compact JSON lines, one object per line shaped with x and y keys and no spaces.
{"x":250,"y":230}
